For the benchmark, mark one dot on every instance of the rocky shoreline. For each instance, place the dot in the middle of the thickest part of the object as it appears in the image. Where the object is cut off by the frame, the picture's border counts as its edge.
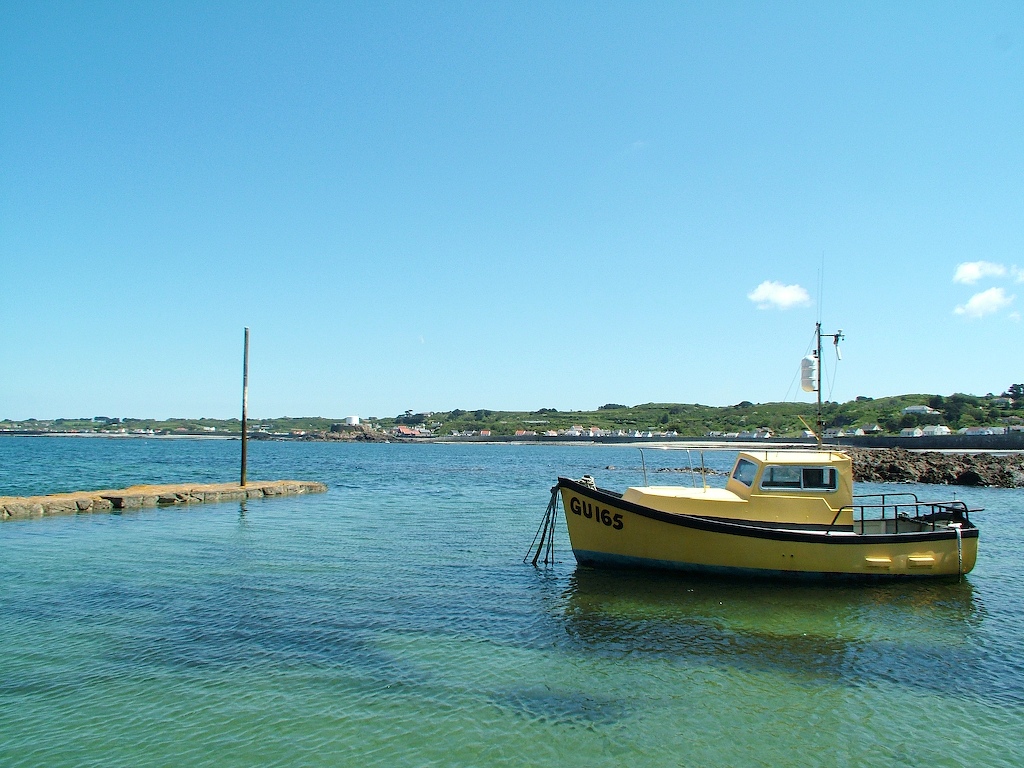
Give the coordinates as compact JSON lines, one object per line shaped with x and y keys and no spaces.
{"x":898,"y":465}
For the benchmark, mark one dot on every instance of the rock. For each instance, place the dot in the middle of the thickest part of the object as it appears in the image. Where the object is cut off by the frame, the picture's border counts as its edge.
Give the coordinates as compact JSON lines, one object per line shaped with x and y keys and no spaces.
{"x":898,"y":465}
{"x":60,"y":507}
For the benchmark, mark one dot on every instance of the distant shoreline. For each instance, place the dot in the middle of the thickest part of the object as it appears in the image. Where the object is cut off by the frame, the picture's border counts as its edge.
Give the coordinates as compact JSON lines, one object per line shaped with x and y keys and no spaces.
{"x":1010,"y":443}
{"x":117,"y":436}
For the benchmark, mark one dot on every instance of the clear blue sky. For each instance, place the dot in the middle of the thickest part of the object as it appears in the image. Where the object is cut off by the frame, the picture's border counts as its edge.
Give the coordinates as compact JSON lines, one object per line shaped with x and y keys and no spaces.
{"x":511,"y":206}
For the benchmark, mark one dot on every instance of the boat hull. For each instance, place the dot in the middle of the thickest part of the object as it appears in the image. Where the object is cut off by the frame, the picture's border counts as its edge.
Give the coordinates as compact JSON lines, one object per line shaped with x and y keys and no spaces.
{"x":605,"y":530}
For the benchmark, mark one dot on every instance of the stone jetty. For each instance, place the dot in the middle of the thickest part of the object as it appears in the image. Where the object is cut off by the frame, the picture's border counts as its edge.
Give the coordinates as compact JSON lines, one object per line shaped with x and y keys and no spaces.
{"x":139,"y":496}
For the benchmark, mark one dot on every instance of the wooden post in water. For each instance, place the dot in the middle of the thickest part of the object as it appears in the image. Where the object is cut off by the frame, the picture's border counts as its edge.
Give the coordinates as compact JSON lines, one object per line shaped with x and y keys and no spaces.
{"x":245,"y":402}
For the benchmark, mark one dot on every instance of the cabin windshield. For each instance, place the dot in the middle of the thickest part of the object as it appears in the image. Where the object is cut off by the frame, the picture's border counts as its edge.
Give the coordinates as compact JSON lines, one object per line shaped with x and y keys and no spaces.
{"x":745,"y":472}
{"x":802,"y":478}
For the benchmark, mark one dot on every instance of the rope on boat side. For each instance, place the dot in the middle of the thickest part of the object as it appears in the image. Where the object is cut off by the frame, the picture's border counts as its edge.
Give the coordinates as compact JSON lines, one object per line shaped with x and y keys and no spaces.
{"x":959,"y":556}
{"x":545,"y":533}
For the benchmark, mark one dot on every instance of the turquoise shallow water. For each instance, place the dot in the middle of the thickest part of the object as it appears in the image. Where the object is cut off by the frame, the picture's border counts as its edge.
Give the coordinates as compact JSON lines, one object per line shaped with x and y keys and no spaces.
{"x":392,"y":622}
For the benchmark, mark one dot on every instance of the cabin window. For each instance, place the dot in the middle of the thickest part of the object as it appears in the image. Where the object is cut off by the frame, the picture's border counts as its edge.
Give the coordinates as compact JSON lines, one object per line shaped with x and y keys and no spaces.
{"x":781,"y":477}
{"x":745,"y":472}
{"x":820,"y":477}
{"x":803,"y":478}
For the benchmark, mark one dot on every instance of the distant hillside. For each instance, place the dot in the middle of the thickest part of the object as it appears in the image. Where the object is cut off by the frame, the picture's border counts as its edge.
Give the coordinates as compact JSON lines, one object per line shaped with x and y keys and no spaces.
{"x":691,"y":420}
{"x":696,"y":420}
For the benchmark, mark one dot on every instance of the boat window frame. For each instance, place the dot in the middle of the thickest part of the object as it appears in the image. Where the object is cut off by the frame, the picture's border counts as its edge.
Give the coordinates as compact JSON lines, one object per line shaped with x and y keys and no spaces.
{"x":802,"y":487}
{"x":736,"y":472}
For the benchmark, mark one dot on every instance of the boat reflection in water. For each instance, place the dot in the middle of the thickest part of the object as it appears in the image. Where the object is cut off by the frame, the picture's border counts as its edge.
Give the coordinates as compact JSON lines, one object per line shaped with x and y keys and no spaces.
{"x":898,"y":632}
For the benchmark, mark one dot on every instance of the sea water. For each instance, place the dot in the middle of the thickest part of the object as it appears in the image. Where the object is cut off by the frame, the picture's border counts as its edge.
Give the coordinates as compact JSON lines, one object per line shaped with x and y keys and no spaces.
{"x":392,"y":622}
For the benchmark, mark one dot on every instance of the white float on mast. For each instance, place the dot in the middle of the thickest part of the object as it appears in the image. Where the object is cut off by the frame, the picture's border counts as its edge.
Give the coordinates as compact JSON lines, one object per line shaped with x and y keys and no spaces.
{"x":809,"y":373}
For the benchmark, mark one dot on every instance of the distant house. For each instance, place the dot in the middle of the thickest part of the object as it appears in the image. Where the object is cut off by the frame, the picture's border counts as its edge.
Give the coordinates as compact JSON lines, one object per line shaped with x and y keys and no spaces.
{"x":918,"y":410}
{"x":911,"y":432}
{"x":842,"y":432}
{"x":872,"y":429}
{"x":936,"y":430}
{"x":976,"y":431}
{"x":1002,"y":402}
{"x":485,"y":433}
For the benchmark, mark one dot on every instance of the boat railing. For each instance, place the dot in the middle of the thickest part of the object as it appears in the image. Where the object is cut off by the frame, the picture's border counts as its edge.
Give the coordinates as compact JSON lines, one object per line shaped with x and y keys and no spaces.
{"x":689,"y":457}
{"x":906,"y":507}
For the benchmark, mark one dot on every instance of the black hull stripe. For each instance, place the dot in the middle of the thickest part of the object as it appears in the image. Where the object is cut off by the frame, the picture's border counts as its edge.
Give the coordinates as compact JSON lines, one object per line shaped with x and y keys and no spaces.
{"x":755,"y":531}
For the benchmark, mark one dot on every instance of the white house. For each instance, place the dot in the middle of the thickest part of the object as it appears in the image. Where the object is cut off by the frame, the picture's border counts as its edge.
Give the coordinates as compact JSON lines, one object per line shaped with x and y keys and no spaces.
{"x":919,"y":410}
{"x":934,"y":430}
{"x":911,"y":432}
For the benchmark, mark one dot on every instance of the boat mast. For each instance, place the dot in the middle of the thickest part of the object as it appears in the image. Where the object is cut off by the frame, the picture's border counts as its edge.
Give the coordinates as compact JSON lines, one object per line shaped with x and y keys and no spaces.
{"x":820,"y":421}
{"x":836,"y":338}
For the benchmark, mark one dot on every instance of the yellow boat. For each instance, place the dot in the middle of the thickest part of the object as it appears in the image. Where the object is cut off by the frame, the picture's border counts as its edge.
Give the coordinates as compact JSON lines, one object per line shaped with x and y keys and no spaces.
{"x":781,"y":513}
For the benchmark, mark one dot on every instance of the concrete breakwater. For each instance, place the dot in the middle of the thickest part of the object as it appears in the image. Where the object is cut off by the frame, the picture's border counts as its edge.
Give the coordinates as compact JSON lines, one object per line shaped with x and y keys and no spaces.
{"x":897,"y":465}
{"x":139,"y":496}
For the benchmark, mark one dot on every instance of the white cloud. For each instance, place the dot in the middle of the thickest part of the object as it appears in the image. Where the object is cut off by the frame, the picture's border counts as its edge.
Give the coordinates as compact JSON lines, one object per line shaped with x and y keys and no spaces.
{"x":772,"y":295}
{"x":985,"y":303}
{"x":970,"y":272}
{"x":1018,"y":274}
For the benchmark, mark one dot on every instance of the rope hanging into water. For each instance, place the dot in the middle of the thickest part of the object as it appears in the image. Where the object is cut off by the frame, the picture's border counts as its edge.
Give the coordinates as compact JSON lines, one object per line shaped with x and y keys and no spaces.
{"x":959,"y":555}
{"x":545,"y":533}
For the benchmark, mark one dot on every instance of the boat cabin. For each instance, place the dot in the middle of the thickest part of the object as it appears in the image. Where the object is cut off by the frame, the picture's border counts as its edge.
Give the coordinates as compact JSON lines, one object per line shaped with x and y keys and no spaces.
{"x":800,"y":488}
